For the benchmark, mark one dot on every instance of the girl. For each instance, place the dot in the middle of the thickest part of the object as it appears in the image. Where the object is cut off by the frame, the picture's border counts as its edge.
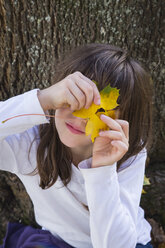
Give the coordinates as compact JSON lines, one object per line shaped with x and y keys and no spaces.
{"x":84,"y":194}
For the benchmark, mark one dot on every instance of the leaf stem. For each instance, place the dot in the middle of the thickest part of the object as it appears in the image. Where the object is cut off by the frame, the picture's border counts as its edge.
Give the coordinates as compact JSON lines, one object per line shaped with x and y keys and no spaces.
{"x":26,"y":115}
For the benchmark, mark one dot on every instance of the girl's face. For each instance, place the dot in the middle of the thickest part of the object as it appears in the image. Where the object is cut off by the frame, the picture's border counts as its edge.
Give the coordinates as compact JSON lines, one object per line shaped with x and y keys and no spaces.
{"x":71,"y":129}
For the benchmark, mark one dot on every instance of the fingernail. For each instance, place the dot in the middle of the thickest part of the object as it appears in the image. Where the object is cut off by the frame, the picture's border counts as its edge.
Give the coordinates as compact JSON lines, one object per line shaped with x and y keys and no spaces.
{"x":98,"y":102}
{"x":103,"y":116}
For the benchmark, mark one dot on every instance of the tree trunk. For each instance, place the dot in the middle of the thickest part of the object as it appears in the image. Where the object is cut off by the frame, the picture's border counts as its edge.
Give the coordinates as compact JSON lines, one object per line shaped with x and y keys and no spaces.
{"x":33,"y":34}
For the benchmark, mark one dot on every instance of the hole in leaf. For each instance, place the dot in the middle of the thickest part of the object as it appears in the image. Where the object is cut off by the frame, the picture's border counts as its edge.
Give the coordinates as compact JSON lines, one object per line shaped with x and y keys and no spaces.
{"x":100,"y":110}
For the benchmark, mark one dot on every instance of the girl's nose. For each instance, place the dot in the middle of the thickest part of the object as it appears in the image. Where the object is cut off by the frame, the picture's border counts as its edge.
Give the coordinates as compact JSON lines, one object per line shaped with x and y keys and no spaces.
{"x":84,"y":121}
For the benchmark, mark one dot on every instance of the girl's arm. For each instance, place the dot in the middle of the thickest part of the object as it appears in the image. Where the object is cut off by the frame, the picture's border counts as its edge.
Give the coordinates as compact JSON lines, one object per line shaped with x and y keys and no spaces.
{"x":75,"y":91}
{"x":18,"y":133}
{"x":113,"y":201}
{"x":23,"y":104}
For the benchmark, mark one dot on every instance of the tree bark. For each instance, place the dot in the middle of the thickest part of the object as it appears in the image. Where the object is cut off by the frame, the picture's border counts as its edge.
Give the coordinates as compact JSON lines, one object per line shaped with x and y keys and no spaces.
{"x":33,"y":34}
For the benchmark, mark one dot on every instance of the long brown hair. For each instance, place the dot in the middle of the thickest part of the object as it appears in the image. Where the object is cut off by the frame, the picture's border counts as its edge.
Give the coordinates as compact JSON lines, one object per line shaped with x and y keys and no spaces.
{"x":105,"y":64}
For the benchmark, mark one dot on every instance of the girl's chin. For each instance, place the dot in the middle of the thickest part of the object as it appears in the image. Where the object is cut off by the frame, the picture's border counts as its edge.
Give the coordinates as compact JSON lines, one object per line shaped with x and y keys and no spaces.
{"x":70,"y":145}
{"x":75,"y":142}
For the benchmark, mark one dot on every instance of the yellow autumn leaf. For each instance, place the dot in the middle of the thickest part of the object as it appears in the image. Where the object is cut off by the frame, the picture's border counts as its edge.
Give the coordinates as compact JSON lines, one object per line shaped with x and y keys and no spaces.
{"x":108,"y":97}
{"x":94,"y":129}
{"x":145,"y":182}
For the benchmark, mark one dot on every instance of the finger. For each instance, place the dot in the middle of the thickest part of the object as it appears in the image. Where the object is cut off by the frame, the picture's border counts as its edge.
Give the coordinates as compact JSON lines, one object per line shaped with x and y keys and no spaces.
{"x":87,"y":90}
{"x":71,"y":100}
{"x":121,"y":146}
{"x":78,"y":94}
{"x":111,"y":123}
{"x":96,"y":96}
{"x":125,"y":126}
{"x":114,"y":135}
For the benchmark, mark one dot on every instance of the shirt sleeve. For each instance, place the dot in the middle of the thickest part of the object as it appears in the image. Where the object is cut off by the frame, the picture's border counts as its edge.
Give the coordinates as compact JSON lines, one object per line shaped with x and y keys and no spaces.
{"x":113,"y":201}
{"x":18,"y":133}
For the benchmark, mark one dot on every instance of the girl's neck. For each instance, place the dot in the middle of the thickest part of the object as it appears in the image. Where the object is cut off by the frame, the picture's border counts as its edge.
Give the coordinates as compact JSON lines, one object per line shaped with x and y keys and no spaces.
{"x":80,"y":154}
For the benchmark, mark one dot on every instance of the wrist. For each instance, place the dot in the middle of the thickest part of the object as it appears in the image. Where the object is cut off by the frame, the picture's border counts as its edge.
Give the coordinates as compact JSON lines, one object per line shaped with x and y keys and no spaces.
{"x":43,"y":99}
{"x":96,"y":163}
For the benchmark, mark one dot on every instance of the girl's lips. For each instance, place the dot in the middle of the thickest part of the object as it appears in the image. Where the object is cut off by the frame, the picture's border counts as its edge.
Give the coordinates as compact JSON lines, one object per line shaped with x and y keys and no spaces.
{"x":73,"y":129}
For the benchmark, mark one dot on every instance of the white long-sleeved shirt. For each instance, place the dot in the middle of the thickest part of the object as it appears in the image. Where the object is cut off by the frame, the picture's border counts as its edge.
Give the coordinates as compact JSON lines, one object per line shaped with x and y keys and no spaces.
{"x":114,"y":219}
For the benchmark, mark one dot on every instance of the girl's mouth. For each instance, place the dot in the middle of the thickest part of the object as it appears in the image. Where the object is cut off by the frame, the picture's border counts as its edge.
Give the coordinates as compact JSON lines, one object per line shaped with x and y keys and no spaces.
{"x":73,"y":129}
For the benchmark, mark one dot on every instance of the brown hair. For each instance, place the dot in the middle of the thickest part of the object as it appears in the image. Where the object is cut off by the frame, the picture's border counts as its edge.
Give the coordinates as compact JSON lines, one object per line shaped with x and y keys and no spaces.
{"x":105,"y":64}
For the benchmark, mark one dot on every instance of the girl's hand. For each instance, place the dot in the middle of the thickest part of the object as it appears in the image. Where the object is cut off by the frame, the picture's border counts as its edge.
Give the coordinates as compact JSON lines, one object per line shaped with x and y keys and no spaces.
{"x":75,"y":91}
{"x":111,"y":145}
